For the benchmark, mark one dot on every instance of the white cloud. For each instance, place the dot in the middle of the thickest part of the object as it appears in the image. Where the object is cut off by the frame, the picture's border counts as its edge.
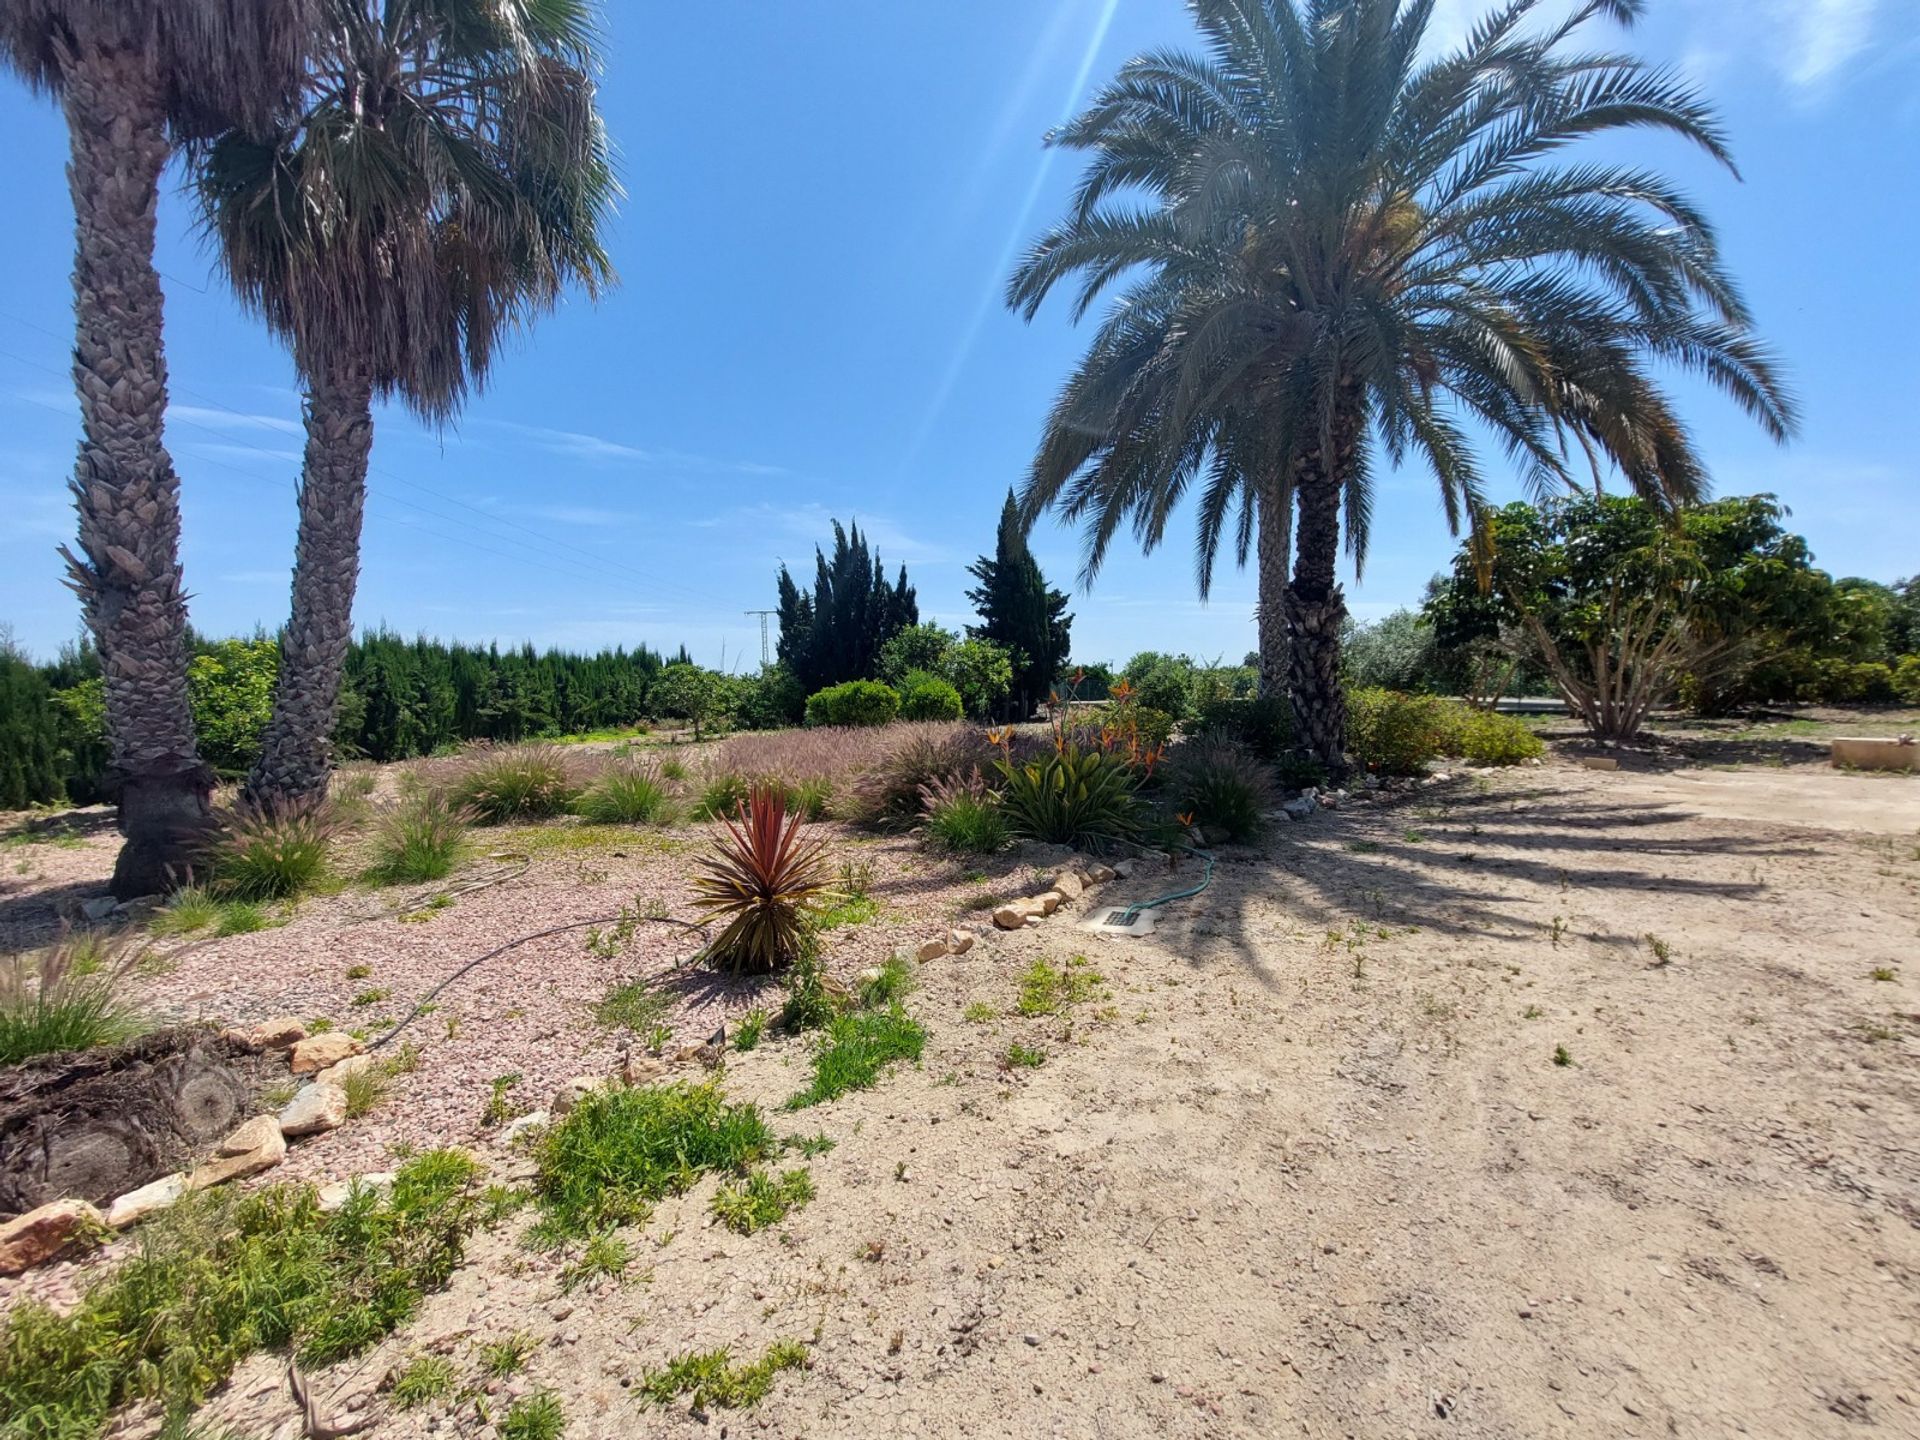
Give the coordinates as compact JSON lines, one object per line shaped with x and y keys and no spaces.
{"x":580,"y":445}
{"x":1821,"y":36}
{"x":589,"y":516}
{"x":213,"y":418}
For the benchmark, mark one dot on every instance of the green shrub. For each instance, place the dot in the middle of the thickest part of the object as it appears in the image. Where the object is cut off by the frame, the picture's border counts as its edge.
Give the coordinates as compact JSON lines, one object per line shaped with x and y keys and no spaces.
{"x":538,"y":1416}
{"x":1072,"y":797}
{"x":30,"y":768}
{"x":855,"y":702}
{"x":270,"y":852}
{"x":722,"y":796}
{"x":855,"y":1048}
{"x":424,"y":1379}
{"x":1390,"y":733}
{"x":627,"y":795}
{"x":1483,"y":737}
{"x":761,"y":1200}
{"x":224,"y":1273}
{"x":928,"y":697}
{"x":1218,"y":783}
{"x":1906,"y":680}
{"x":968,"y":825}
{"x":620,"y":1150}
{"x":764,"y":881}
{"x":516,"y":782}
{"x":62,"y":998}
{"x":187,"y":910}
{"x":422,"y":839}
{"x":1262,"y":723}
{"x":1162,"y":682}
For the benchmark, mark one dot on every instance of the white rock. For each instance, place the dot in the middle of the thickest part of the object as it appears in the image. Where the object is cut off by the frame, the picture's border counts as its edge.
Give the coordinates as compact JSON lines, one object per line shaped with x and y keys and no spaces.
{"x":352,"y":1065}
{"x":1068,"y":885}
{"x":268,"y":1154}
{"x":959,"y":941}
{"x":156,"y":1195}
{"x":336,"y":1194}
{"x":1123,"y":868}
{"x":1100,"y":874}
{"x":278,"y":1033}
{"x":517,"y":1130}
{"x":1049,"y":901}
{"x":260,"y":1130}
{"x":318,"y":1107}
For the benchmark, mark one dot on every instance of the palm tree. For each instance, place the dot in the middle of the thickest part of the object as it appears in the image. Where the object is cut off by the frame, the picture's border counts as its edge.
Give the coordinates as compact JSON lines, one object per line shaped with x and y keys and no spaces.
{"x":441,"y":181}
{"x":133,"y":77}
{"x":1337,"y":250}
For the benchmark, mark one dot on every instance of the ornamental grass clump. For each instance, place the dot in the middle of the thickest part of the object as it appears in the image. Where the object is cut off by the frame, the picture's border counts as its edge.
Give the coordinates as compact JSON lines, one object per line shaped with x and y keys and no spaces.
{"x":270,"y":851}
{"x":627,"y":794}
{"x":419,"y":840}
{"x":1221,"y":786}
{"x":501,"y":784}
{"x":62,"y":998}
{"x":764,"y":881}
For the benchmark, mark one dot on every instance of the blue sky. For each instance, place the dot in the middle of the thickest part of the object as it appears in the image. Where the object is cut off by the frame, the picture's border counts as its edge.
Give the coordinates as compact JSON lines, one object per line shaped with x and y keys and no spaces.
{"x":824,"y":201}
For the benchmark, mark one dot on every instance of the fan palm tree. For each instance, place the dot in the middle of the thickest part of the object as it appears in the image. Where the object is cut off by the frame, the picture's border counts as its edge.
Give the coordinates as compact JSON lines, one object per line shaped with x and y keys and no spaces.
{"x":133,"y":77}
{"x":1335,"y":249}
{"x":441,"y":181}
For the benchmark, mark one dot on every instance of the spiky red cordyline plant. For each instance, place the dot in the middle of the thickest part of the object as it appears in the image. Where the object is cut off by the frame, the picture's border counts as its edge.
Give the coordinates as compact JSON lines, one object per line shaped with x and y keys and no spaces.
{"x":762,"y":879}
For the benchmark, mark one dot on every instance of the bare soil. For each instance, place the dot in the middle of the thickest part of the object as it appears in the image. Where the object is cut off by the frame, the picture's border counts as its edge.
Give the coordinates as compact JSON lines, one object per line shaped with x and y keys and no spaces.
{"x":1307,"y":1162}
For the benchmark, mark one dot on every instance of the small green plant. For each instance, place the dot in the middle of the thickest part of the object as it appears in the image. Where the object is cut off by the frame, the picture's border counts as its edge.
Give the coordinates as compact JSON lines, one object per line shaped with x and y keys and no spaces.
{"x":1558,"y":932}
{"x":722,"y":796}
{"x":371,"y":996}
{"x":1885,"y":972}
{"x":619,"y":1151}
{"x":808,"y":1145}
{"x":1414,"y":837}
{"x":1662,"y":952}
{"x":1024,"y":1057}
{"x":605,"y":1256}
{"x":710,"y":1378}
{"x":186,"y":912}
{"x":968,"y":825}
{"x":979,"y":1013}
{"x":811,"y":999}
{"x":423,"y":1380}
{"x":1047,"y":990}
{"x":420,"y":840}
{"x":364,"y":1090}
{"x":538,"y":1416}
{"x":627,"y":795}
{"x":243,"y":917}
{"x":1561,"y":1056}
{"x":752,"y":1026}
{"x":855,"y":1048}
{"x":270,"y":852}
{"x":634,"y":1006}
{"x":500,"y":1106}
{"x":62,"y":998}
{"x":1218,"y":782}
{"x":359,"y":972}
{"x":1079,"y":797}
{"x":886,"y":983}
{"x":848,"y":911}
{"x":515,"y":782}
{"x":1532,"y":1012}
{"x":761,"y":1200}
{"x":504,"y":1357}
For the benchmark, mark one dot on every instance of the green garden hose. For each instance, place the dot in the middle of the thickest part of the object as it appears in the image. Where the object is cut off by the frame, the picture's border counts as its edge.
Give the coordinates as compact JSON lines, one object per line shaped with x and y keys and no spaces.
{"x":1126,"y":917}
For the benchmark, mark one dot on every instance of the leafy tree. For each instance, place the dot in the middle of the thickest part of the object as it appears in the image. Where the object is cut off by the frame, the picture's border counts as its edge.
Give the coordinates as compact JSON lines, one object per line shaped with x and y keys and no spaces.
{"x":439,"y":182}
{"x":1622,"y":603}
{"x":1018,"y":612}
{"x":916,"y":647}
{"x":1334,"y":249}
{"x":29,"y":733}
{"x":836,"y":633}
{"x":983,"y":674}
{"x":686,"y":691}
{"x":231,"y":682}
{"x":134,"y":77}
{"x":1903,"y":626}
{"x":1395,"y":652}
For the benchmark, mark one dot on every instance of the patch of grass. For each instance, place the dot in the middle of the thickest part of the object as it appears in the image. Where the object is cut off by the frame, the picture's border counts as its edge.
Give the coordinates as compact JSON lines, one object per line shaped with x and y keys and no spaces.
{"x":538,"y":1416}
{"x":423,"y":1380}
{"x":811,"y":1001}
{"x":710,"y":1378}
{"x":1414,"y":837}
{"x":1532,"y":1012}
{"x":604,"y":1257}
{"x":500,"y":1106}
{"x":852,"y":910}
{"x":271,"y":853}
{"x":979,"y":1013}
{"x":1047,"y":990}
{"x":752,"y":1026}
{"x":761,"y":1199}
{"x":504,"y":1357}
{"x":855,"y":1048}
{"x":1363,"y":847}
{"x":1662,"y":951}
{"x":224,"y":1273}
{"x":967,"y":825}
{"x":627,"y":795}
{"x":372,"y":996}
{"x":722,"y":796}
{"x":619,"y":1151}
{"x":61,"y":998}
{"x":891,"y":982}
{"x":515,"y":782}
{"x":423,"y":839}
{"x":186,"y":912}
{"x":1024,"y":1057}
{"x":1562,"y":1056}
{"x":808,"y":1145}
{"x":1885,"y":972}
{"x":364,"y":1089}
{"x":359,"y":972}
{"x":243,"y":917}
{"x":981,"y":900}
{"x":634,"y":1006}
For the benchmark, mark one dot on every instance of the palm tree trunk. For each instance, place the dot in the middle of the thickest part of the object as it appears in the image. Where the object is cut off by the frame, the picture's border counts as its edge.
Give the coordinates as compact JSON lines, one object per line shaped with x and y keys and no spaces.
{"x":296,"y":756}
{"x":124,"y":486}
{"x":1276,"y":539}
{"x":1315,"y":605}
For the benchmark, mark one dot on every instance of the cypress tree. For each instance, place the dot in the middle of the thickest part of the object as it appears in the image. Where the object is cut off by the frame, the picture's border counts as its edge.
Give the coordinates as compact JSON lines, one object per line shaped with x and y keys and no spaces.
{"x":835,"y":634}
{"x":1019,"y":612}
{"x":29,"y":735}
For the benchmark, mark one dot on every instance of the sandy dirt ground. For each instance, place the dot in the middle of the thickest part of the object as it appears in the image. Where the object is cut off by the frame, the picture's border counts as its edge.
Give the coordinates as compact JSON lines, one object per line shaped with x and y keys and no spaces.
{"x":1306,"y":1162}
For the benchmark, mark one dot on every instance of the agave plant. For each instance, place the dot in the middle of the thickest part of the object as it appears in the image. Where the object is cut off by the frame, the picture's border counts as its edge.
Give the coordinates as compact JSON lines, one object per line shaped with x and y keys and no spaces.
{"x":1075,"y":796}
{"x":763,"y":879}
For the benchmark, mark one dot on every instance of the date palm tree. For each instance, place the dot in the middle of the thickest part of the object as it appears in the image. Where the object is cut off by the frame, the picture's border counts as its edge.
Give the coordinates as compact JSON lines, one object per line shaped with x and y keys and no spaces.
{"x":441,"y":181}
{"x":134,"y":77}
{"x":1333,"y":249}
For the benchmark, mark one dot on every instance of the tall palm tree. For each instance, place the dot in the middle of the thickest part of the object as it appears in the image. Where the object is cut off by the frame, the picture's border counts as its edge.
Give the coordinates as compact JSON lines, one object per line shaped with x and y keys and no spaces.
{"x":441,"y":182}
{"x":134,"y":76}
{"x":1335,"y":250}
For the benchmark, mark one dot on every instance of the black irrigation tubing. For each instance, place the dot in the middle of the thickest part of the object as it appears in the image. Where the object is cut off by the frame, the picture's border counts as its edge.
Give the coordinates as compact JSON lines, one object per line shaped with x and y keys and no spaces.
{"x":474,"y":964}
